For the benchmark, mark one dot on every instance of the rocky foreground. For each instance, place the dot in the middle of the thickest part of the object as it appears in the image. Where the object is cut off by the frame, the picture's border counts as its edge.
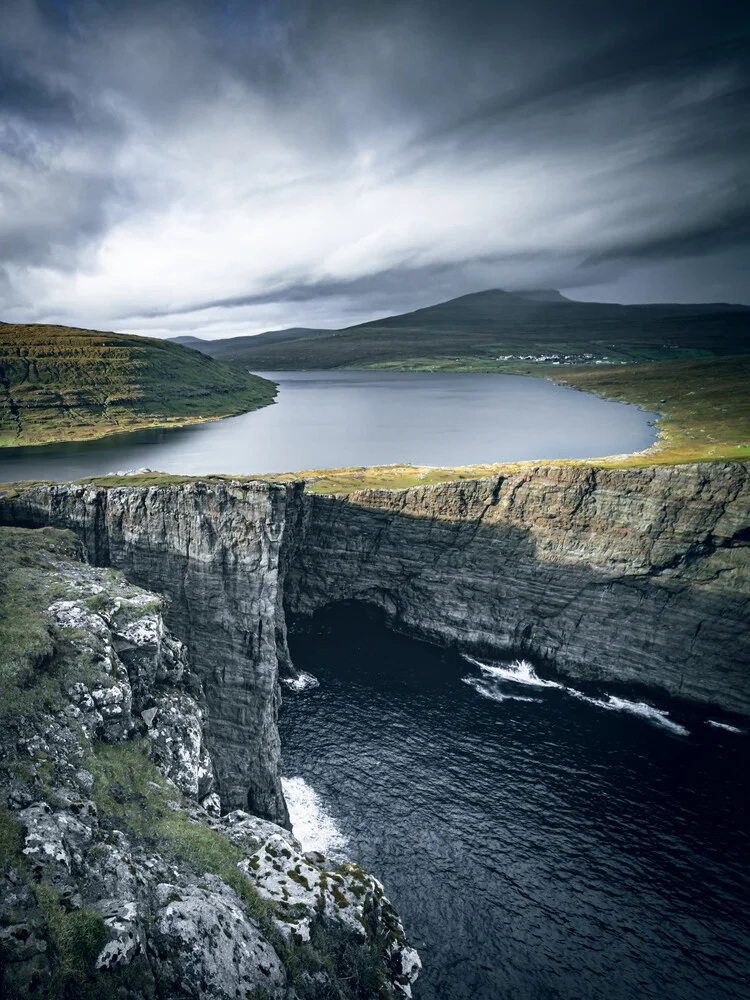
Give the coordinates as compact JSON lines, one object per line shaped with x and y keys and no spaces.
{"x":119,"y":875}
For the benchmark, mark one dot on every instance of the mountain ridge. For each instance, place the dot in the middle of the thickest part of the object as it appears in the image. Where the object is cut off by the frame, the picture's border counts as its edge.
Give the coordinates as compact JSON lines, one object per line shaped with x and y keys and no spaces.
{"x":494,"y":326}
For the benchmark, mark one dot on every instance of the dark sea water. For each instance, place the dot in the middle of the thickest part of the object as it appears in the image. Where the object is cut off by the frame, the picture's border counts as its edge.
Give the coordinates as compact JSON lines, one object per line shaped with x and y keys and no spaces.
{"x":333,"y":419}
{"x":537,"y":845}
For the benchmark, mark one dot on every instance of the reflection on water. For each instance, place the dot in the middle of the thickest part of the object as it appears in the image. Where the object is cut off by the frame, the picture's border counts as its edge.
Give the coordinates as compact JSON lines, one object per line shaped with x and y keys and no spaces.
{"x":332,"y":419}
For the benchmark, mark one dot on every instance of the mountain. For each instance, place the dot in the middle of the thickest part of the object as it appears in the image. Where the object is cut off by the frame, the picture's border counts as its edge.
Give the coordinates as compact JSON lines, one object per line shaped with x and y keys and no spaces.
{"x":58,"y":384}
{"x":485,"y":326}
{"x":187,"y":341}
{"x":233,"y":348}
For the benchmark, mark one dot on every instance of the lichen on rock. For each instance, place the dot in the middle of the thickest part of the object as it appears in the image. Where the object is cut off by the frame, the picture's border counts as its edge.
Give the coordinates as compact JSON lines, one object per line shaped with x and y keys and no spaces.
{"x":118,"y":874}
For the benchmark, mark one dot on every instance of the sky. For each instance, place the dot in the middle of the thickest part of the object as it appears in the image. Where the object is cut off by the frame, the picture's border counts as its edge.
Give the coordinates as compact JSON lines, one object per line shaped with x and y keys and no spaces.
{"x":223,"y":168}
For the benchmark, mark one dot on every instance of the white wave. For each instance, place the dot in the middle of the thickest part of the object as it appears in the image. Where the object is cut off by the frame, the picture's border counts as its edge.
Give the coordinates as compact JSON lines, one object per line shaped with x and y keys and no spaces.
{"x":315,"y":828}
{"x":640,"y":708}
{"x":302,"y":682}
{"x":518,"y":671}
{"x":725,"y":725}
{"x":488,"y":690}
{"x":493,"y":675}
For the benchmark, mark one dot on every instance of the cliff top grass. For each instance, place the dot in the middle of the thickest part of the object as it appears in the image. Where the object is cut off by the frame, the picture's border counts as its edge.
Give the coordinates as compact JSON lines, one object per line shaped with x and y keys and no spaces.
{"x":703,"y":406}
{"x":28,"y":559}
{"x":62,"y":384}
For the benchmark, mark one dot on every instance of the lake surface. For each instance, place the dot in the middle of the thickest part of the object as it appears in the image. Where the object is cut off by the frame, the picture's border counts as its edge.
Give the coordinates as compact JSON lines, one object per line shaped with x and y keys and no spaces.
{"x":333,"y":419}
{"x":537,"y":845}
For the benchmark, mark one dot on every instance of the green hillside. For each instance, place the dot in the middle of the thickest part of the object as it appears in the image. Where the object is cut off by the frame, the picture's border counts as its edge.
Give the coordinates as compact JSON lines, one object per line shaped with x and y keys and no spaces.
{"x":704,"y":404}
{"x":481,"y":331}
{"x":60,"y":384}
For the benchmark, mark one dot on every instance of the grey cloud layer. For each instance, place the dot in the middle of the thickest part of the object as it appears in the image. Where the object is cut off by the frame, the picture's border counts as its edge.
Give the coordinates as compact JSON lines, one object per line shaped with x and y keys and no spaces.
{"x":223,"y":167}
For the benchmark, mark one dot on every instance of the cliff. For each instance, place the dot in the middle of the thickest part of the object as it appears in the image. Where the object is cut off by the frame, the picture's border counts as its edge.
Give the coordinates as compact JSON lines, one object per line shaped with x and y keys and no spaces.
{"x":636,"y":576}
{"x":118,"y":875}
{"x":214,"y":552}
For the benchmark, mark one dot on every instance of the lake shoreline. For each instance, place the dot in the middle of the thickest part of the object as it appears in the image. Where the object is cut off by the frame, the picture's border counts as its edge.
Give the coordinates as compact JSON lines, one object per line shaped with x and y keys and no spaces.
{"x":441,"y":421}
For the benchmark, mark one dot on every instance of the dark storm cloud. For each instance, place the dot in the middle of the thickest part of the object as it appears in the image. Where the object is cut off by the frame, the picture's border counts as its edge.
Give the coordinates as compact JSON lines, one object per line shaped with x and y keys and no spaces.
{"x":382,"y":288}
{"x":250,"y":163}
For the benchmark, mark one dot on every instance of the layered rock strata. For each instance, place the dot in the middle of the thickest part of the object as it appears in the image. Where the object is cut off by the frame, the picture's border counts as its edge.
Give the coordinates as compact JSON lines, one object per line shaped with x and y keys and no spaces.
{"x":214,"y":552}
{"x":636,"y":576}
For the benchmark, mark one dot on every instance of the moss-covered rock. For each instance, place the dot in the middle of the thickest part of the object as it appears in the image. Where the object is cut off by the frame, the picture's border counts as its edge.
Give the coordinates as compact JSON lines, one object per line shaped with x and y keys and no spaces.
{"x":116,"y":870}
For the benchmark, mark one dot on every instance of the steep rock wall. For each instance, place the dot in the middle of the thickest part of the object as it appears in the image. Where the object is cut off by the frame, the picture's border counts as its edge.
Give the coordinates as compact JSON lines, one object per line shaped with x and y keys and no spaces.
{"x":636,"y":576}
{"x":214,"y":551}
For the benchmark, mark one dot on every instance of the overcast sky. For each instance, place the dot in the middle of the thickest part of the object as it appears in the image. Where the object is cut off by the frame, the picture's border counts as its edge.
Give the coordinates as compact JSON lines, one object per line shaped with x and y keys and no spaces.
{"x":229,"y":167}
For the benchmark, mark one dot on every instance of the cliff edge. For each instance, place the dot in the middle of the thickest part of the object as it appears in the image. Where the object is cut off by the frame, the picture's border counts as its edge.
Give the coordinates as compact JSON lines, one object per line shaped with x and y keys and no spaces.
{"x":613,"y":576}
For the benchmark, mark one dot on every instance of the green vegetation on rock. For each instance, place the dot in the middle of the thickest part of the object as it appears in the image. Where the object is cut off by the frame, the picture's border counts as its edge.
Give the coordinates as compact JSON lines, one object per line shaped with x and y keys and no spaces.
{"x":129,"y":789}
{"x":62,"y":384}
{"x":76,"y":938}
{"x":28,"y":676}
{"x":104,"y":843}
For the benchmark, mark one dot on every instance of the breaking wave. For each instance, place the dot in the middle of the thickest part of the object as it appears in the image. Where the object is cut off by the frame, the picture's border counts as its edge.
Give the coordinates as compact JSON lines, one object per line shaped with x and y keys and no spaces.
{"x":726,"y":726}
{"x":489,"y":690}
{"x":641,"y":708}
{"x":518,"y":671}
{"x":494,"y":677}
{"x":312,"y":825}
{"x":302,"y":682}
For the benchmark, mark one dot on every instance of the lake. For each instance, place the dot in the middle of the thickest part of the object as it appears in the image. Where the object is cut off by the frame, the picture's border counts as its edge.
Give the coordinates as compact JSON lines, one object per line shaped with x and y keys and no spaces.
{"x":331,"y":419}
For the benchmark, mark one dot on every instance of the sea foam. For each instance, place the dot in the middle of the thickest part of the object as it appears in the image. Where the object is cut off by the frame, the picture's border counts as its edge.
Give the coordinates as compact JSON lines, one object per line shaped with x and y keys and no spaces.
{"x":641,"y":708}
{"x":518,"y":671}
{"x":312,"y":825}
{"x":726,"y":726}
{"x":489,"y":690}
{"x":493,"y":684}
{"x":302,"y":682}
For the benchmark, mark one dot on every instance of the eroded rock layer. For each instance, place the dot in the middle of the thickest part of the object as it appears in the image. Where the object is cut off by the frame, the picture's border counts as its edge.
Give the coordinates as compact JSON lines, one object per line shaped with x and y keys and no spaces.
{"x":617,"y":576}
{"x":632,"y":576}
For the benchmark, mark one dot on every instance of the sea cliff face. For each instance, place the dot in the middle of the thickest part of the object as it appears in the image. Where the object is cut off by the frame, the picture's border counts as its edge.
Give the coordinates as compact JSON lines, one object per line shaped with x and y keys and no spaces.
{"x":214,"y":553}
{"x":616,"y":576}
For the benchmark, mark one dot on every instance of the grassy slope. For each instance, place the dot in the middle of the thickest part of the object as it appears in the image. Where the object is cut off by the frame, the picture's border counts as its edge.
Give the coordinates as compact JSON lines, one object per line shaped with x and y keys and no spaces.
{"x":704,"y":405}
{"x":471,"y":331}
{"x":25,"y":640}
{"x":61,"y":384}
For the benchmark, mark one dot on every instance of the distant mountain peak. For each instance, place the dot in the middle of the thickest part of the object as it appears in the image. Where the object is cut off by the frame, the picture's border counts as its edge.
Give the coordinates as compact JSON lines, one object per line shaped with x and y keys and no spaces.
{"x":542,"y":295}
{"x":505,"y":295}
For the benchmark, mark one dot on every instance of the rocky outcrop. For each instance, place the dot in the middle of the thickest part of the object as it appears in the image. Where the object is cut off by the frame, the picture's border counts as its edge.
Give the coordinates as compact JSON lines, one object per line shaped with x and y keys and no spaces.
{"x":635,"y":576}
{"x":118,"y":877}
